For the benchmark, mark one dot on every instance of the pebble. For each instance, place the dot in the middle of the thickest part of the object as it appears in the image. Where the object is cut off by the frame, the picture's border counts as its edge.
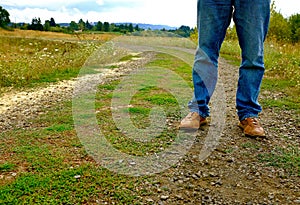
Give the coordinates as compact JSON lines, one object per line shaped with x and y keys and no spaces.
{"x":164,"y":197}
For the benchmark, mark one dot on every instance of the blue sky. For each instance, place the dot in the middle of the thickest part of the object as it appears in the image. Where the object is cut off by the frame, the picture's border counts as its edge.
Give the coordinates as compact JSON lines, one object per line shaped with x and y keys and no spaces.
{"x":167,"y":12}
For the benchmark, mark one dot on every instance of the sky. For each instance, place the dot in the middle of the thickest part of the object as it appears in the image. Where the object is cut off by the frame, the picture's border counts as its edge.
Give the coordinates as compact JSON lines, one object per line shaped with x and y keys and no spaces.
{"x":163,"y":12}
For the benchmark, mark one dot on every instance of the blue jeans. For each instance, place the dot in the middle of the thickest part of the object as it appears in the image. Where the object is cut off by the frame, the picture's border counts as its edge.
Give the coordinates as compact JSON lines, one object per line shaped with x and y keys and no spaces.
{"x":251,"y":18}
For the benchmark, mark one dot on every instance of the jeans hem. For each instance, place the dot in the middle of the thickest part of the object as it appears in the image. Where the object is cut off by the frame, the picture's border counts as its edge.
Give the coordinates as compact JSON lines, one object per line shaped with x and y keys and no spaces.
{"x":241,"y":118}
{"x":200,"y":113}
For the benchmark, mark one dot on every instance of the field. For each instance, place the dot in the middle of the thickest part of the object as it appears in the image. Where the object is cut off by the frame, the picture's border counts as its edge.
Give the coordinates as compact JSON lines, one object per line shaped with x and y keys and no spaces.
{"x":30,"y":58}
{"x":46,"y":163}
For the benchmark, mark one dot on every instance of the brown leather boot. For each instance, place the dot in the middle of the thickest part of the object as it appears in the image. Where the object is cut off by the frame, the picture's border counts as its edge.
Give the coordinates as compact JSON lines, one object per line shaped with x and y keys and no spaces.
{"x":252,"y":127}
{"x":192,"y":121}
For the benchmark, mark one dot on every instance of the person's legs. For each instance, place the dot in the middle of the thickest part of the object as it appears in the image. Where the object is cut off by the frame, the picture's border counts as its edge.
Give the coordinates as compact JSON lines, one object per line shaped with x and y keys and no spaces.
{"x":252,"y":20}
{"x":214,"y":17}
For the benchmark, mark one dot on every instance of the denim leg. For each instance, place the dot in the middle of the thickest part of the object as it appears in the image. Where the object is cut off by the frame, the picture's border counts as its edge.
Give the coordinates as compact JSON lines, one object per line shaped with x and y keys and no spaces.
{"x":251,"y":18}
{"x":214,"y":17}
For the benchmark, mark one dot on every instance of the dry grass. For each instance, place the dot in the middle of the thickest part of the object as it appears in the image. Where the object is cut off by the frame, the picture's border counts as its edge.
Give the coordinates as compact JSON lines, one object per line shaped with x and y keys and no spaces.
{"x":54,"y":35}
{"x":33,"y":57}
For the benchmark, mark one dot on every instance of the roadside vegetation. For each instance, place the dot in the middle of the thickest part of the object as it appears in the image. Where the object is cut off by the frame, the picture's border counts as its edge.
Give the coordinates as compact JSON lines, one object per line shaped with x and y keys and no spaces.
{"x":29,"y":58}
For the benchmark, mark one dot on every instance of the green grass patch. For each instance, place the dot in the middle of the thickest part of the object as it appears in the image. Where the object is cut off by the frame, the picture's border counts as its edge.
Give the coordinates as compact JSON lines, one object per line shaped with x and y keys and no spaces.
{"x":289,"y":97}
{"x":175,"y":64}
{"x":60,"y":127}
{"x":52,"y":165}
{"x":139,"y":110}
{"x":6,"y":167}
{"x":56,"y":168}
{"x":83,"y":185}
{"x":141,"y":104}
{"x":250,"y":145}
{"x":128,"y":57}
{"x":288,"y":159}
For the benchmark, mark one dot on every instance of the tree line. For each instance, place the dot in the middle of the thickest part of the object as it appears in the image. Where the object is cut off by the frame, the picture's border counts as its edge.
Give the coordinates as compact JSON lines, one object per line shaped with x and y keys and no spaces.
{"x":80,"y":26}
{"x":73,"y":26}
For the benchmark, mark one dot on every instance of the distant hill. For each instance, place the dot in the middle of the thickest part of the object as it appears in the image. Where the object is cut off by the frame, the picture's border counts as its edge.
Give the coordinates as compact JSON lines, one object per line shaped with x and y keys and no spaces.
{"x":141,"y":25}
{"x":150,"y":26}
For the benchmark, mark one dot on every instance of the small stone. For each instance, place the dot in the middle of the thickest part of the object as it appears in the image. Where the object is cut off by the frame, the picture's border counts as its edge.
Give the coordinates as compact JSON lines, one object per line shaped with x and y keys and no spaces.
{"x":149,"y":200}
{"x":231,"y":160}
{"x":132,"y":163}
{"x":163,"y":197}
{"x":179,"y":196}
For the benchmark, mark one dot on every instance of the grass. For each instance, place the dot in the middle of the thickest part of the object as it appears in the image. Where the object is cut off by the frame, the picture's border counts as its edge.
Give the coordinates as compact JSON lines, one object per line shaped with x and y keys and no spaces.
{"x":6,"y":167}
{"x":42,"y":57}
{"x":141,"y":104}
{"x":286,"y":158}
{"x":52,"y":166}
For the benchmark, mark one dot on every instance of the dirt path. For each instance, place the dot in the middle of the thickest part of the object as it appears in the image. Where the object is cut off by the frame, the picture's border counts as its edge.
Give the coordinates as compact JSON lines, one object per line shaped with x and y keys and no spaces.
{"x":232,"y":174}
{"x":18,"y":108}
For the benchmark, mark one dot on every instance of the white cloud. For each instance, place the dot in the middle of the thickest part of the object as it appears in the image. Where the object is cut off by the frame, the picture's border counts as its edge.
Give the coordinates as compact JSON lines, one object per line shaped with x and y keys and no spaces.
{"x":149,"y":11}
{"x":100,"y":2}
{"x":287,"y":8}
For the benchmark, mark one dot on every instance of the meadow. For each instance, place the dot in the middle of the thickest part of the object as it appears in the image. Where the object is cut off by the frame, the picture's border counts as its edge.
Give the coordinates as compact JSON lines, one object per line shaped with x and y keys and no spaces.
{"x":30,"y":58}
{"x":47,"y":164}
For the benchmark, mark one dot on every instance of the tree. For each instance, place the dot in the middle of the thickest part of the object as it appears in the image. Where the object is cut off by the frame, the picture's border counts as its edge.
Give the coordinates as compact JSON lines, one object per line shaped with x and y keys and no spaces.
{"x":88,"y":26}
{"x":130,"y":28}
{"x":73,"y":26}
{"x":106,"y":27}
{"x":36,"y":25}
{"x":4,"y":17}
{"x":99,"y":26}
{"x":294,"y":24}
{"x":47,"y":25}
{"x":278,"y":25}
{"x":184,"y":31}
{"x":52,"y":22}
{"x":81,"y":24}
